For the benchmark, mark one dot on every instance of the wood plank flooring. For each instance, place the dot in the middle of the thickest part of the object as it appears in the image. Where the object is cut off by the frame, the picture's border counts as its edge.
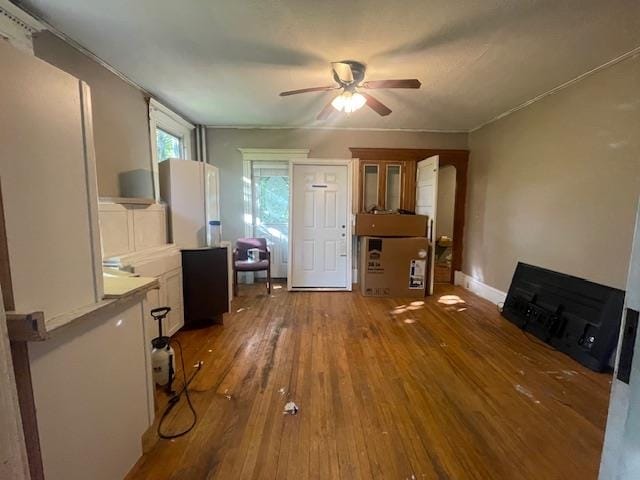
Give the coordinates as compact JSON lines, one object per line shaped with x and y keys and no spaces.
{"x":387,"y":389}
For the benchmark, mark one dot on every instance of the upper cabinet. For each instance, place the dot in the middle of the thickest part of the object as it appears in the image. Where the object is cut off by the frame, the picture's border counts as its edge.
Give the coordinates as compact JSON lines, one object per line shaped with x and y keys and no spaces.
{"x":51,"y":257}
{"x":385,"y":185}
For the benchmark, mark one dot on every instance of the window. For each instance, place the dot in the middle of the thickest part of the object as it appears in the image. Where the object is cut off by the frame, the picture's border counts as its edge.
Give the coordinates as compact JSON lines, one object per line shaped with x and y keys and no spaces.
{"x":167,"y":145}
{"x":270,"y":207}
{"x":171,"y":135}
{"x":271,"y":202}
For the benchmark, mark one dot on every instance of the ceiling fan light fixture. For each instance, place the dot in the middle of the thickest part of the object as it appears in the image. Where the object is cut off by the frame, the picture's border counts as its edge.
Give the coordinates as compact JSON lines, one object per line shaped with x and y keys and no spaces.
{"x":348,"y":102}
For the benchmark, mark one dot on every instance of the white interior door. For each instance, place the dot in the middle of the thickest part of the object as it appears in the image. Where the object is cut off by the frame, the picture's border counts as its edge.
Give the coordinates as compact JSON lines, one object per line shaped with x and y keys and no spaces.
{"x":321,"y":233}
{"x":426,"y":203}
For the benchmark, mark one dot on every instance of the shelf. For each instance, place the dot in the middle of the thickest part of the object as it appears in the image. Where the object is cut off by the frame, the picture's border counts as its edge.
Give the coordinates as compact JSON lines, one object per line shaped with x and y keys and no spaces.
{"x":128,"y":200}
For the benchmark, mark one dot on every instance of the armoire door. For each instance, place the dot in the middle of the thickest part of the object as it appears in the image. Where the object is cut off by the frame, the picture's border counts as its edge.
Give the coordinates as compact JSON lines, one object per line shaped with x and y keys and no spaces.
{"x":426,"y":204}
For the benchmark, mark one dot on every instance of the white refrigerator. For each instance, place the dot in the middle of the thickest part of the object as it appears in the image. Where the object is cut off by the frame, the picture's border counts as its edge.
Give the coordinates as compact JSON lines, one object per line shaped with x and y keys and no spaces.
{"x":191,"y":190}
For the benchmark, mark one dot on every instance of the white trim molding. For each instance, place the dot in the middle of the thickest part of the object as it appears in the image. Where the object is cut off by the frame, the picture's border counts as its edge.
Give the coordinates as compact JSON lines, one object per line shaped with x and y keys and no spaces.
{"x":557,"y":88}
{"x":169,"y":121}
{"x":168,"y":116}
{"x":273,"y":154}
{"x":481,"y":289}
{"x":328,"y":127}
{"x":18,"y":26}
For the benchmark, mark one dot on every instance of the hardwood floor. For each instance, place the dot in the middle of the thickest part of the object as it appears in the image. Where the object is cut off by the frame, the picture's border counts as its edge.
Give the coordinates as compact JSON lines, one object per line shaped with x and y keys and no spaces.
{"x":441,"y":390}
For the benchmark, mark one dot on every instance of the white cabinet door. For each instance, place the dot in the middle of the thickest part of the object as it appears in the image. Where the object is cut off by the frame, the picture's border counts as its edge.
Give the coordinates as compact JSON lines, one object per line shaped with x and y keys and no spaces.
{"x":49,"y":189}
{"x":149,"y":225}
{"x":173,"y":289}
{"x":320,"y":242}
{"x":90,"y":382}
{"x":116,"y":229}
{"x":181,"y":186}
{"x":426,"y":203}
{"x":211,"y":196}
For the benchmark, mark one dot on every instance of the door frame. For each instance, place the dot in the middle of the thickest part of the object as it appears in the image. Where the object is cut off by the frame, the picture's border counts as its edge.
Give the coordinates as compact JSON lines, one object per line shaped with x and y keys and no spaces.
{"x":348,"y":162}
{"x":251,"y":155}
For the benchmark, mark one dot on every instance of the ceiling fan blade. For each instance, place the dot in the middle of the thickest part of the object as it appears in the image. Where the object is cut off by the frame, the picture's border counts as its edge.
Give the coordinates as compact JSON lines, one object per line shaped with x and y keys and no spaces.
{"x":343,"y":71}
{"x":376,"y":105}
{"x":306,"y":90}
{"x":326,"y":112}
{"x":407,"y":83}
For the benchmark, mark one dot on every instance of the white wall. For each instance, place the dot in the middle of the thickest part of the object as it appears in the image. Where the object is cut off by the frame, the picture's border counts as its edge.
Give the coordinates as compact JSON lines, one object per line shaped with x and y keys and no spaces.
{"x":556,"y":184}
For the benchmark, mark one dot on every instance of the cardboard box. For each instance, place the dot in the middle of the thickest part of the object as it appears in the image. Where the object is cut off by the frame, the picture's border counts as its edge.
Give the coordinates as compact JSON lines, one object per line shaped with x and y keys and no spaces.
{"x":391,"y":225}
{"x":394,"y":267}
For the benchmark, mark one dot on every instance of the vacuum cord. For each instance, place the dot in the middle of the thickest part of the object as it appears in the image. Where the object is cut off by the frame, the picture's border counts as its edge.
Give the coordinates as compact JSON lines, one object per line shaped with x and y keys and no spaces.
{"x":173,"y":401}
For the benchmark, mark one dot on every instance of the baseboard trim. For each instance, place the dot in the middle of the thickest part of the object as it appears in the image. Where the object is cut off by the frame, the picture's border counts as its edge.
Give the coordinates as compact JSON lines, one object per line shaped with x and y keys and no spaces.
{"x":481,"y":289}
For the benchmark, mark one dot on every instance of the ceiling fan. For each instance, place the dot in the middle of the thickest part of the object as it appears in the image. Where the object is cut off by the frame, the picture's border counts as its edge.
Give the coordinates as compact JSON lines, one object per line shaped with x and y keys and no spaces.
{"x":349,"y":76}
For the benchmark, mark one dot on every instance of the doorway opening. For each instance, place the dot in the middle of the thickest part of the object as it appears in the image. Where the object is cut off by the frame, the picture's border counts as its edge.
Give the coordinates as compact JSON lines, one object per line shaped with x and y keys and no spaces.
{"x":445,"y":224}
{"x":270,"y":211}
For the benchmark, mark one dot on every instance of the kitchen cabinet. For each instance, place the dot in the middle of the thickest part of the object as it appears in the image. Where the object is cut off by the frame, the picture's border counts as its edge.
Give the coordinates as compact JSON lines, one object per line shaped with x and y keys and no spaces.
{"x":192,"y":192}
{"x":386,"y":185}
{"x":90,"y":380}
{"x":172,"y":282}
{"x":134,"y":236}
{"x":409,"y":157}
{"x":205,"y":285}
{"x":51,"y":254}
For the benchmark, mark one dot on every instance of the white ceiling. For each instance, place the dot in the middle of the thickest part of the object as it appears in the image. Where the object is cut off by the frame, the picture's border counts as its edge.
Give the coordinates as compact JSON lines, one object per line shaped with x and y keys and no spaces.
{"x":224,"y":62}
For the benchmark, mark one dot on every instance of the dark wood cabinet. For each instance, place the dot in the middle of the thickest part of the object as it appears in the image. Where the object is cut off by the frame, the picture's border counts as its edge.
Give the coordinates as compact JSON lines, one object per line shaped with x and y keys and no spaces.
{"x":386,"y":185}
{"x":408,"y":158}
{"x":205,"y":284}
